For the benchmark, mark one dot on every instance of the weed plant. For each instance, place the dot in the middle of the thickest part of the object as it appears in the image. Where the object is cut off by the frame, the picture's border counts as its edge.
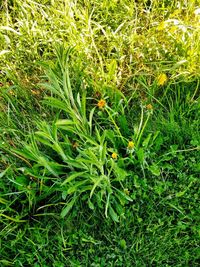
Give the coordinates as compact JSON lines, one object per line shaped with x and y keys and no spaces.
{"x":117,"y":189}
{"x":83,"y":155}
{"x":99,"y":143}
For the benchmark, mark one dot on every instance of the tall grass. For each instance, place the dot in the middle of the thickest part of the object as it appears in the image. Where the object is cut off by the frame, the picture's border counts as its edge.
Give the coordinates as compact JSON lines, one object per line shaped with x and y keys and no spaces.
{"x":99,"y":143}
{"x":117,"y":40}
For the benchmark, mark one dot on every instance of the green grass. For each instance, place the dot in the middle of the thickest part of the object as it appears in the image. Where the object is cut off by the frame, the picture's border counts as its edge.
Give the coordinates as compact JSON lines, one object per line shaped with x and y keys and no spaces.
{"x":116,"y":40}
{"x":88,"y":185}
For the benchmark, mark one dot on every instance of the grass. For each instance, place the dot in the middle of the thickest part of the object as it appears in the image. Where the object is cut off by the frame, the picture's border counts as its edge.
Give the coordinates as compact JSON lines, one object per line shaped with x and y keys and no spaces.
{"x":99,"y":133}
{"x":140,"y":38}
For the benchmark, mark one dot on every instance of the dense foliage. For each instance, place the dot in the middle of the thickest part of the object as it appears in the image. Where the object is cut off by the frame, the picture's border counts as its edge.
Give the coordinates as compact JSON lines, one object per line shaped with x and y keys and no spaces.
{"x":99,"y":133}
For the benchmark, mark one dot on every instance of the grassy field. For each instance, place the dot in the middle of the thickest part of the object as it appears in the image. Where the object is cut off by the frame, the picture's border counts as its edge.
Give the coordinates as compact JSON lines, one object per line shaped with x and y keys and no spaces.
{"x":99,"y":133}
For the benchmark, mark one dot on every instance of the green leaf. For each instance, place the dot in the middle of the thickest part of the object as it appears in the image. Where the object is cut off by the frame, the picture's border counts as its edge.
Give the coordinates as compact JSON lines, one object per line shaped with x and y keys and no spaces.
{"x":119,"y":208}
{"x":64,"y":122}
{"x":156,"y":135}
{"x":76,"y":186}
{"x":4,"y":172}
{"x":103,"y":151}
{"x":64,"y":195}
{"x":3,"y":201}
{"x":123,"y":124}
{"x":21,"y":181}
{"x":50,"y":166}
{"x":72,"y":177}
{"x":97,"y":182}
{"x":113,"y":214}
{"x":146,"y":141}
{"x":11,"y":218}
{"x":120,"y":173}
{"x":123,"y":196}
{"x":140,"y":154}
{"x":90,"y":204}
{"x":43,"y":140}
{"x":56,"y":103}
{"x":158,"y":142}
{"x":67,"y":208}
{"x":91,"y":118}
{"x":154,"y":170}
{"x":180,"y":194}
{"x":26,"y":153}
{"x":111,"y":136}
{"x":122,"y":243}
{"x":76,"y":164}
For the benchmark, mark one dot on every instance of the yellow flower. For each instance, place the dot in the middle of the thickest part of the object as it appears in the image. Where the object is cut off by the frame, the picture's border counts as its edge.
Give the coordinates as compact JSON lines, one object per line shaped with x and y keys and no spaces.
{"x":161,"y":26}
{"x":130,"y":145}
{"x":101,"y":103}
{"x":149,"y":107}
{"x":11,"y":92}
{"x":162,"y":78}
{"x":114,"y":155}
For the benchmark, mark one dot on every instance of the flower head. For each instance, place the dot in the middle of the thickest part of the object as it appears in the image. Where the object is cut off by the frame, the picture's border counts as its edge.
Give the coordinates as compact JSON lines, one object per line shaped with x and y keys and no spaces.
{"x":101,"y":103}
{"x":162,"y":79}
{"x":149,"y":107}
{"x":130,"y":145}
{"x":114,"y":155}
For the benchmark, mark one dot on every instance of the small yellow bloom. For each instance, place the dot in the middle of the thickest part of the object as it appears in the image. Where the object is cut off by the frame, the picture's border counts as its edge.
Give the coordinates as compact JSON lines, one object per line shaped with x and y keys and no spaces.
{"x":114,"y":155}
{"x":161,"y":26}
{"x":101,"y":103}
{"x":11,"y":92}
{"x":162,"y":78}
{"x":130,"y":145}
{"x":149,"y":107}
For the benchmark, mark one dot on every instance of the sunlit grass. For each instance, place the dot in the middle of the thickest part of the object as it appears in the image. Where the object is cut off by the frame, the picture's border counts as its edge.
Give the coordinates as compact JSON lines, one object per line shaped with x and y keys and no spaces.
{"x":116,"y":41}
{"x":99,"y":133}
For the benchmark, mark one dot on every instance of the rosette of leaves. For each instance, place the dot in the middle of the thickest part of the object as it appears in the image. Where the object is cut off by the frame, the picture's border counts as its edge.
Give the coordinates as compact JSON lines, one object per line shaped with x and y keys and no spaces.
{"x":70,"y":158}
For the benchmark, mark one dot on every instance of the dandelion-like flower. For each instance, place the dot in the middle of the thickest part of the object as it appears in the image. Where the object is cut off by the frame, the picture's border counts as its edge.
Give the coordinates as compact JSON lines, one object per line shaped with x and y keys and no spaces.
{"x":149,"y":107}
{"x":114,"y":155}
{"x":101,"y":104}
{"x":162,"y":79}
{"x":131,"y":145}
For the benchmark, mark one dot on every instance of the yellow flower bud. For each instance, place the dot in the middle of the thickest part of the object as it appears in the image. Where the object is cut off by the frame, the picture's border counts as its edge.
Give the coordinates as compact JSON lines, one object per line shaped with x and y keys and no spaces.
{"x":130,"y":145}
{"x":162,"y":79}
{"x":149,"y":107}
{"x":114,"y":155}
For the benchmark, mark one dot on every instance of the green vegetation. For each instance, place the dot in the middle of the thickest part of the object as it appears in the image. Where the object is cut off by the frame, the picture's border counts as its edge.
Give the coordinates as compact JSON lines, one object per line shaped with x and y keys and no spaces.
{"x":99,"y":133}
